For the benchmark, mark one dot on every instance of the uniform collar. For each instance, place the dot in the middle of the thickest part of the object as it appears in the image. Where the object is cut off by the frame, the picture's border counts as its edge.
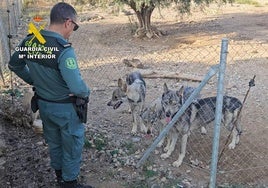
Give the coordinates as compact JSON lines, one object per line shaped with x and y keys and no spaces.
{"x":51,"y":34}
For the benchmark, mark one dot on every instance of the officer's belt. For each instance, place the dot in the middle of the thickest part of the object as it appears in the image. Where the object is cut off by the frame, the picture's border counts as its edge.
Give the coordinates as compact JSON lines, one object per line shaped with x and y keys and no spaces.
{"x":68,"y":100}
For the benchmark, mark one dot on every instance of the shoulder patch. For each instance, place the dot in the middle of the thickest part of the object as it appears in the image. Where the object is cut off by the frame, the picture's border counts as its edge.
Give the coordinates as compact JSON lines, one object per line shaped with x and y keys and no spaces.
{"x":63,"y":43}
{"x":70,"y":63}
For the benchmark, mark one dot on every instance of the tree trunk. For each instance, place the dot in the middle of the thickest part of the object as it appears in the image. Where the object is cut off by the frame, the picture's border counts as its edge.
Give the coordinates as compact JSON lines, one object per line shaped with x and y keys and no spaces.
{"x":144,"y":14}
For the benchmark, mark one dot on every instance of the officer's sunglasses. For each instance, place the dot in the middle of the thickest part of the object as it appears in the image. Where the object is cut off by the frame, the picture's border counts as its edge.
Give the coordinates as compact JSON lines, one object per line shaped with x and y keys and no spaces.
{"x":76,"y":26}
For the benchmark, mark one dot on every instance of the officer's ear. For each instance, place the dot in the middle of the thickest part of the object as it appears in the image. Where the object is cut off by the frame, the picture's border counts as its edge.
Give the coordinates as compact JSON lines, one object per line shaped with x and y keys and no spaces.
{"x":68,"y":24}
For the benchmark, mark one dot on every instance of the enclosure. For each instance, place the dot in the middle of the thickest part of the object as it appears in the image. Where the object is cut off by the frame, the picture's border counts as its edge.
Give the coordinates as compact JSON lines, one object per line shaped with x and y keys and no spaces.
{"x":106,"y":51}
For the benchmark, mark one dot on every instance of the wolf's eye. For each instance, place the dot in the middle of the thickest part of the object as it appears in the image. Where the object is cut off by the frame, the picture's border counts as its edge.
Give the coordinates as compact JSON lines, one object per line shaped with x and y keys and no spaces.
{"x":173,"y":103}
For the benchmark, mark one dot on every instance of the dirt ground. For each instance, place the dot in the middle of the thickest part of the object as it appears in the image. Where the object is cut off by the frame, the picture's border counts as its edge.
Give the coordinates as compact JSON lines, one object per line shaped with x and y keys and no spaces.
{"x":111,"y":153}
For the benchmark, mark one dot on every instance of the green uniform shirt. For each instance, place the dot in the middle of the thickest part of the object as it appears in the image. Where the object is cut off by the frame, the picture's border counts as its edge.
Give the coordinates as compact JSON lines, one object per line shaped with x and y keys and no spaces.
{"x":54,"y":82}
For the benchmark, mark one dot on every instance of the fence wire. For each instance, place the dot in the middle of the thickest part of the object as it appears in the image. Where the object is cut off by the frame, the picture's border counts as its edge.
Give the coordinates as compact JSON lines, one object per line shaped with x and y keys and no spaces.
{"x":103,"y":60}
{"x":10,"y":13}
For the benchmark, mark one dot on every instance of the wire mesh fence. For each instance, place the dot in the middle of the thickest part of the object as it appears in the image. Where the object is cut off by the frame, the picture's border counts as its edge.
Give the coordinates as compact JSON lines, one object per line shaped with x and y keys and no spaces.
{"x":10,"y":13}
{"x":103,"y":59}
{"x":103,"y":62}
{"x":245,"y":165}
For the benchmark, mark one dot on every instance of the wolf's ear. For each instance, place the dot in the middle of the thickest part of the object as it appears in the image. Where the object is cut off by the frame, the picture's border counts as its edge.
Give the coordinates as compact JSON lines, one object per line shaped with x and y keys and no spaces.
{"x":180,"y":91}
{"x":120,"y":82}
{"x":153,"y":108}
{"x":144,"y":111}
{"x":128,"y":79}
{"x":124,"y":87}
{"x":165,"y":88}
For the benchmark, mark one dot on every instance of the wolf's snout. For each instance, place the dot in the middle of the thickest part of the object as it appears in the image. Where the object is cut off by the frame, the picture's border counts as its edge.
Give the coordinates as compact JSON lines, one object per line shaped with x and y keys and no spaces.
{"x":109,"y":103}
{"x":168,"y":114}
{"x":117,"y":104}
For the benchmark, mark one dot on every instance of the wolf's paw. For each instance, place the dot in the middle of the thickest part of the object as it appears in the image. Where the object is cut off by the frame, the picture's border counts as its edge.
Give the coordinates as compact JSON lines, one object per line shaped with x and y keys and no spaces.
{"x":133,"y":132}
{"x":231,"y":146}
{"x":159,"y":145}
{"x":164,"y":156}
{"x":177,"y":163}
{"x":166,"y":149}
{"x":237,"y":140}
{"x":203,"y":130}
{"x":144,"y":129}
{"x":129,"y":111}
{"x":134,"y":129}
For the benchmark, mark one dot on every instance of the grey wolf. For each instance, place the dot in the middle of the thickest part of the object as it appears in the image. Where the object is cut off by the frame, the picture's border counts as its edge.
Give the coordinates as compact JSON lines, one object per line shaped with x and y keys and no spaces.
{"x":153,"y":116}
{"x":133,"y":90}
{"x":33,"y":119}
{"x":198,"y":115}
{"x":26,"y":104}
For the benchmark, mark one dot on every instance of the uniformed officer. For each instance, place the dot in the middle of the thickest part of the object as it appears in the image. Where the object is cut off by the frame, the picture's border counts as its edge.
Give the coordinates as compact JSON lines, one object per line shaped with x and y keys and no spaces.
{"x":52,"y":69}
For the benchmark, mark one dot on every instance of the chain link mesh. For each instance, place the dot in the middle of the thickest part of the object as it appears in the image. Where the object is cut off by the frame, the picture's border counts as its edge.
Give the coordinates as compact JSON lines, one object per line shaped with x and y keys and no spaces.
{"x":246,"y":165}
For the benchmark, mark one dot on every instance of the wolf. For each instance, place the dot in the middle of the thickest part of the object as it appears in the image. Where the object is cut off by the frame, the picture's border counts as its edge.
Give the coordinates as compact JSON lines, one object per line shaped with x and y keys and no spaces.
{"x":154,"y":118}
{"x":33,"y":119}
{"x":199,"y":114}
{"x":26,"y":104}
{"x":133,"y":90}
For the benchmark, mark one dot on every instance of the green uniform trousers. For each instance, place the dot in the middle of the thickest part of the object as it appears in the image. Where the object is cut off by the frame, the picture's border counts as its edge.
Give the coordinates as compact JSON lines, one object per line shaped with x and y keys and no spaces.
{"x":64,"y":134}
